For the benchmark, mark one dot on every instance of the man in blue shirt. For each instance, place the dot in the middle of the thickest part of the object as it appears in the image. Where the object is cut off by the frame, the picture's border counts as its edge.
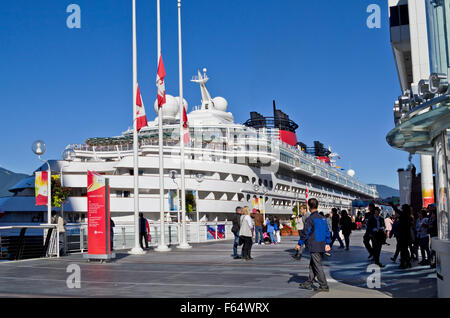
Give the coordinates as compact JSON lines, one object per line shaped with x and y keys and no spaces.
{"x":316,"y":236}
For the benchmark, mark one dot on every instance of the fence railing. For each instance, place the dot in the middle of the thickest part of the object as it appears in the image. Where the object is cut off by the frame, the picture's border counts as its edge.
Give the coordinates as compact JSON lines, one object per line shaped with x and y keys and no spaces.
{"x":123,"y":238}
{"x":20,"y":242}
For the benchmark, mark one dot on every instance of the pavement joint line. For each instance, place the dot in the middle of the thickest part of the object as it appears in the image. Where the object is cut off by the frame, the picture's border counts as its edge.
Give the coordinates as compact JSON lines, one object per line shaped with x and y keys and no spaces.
{"x":154,"y":284}
{"x":161,"y":271}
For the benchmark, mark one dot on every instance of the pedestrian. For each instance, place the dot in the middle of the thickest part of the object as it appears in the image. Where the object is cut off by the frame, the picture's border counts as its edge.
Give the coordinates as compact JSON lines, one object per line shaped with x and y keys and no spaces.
{"x":299,"y":219}
{"x":346,"y":226}
{"x":336,"y":228}
{"x":424,"y":239}
{"x":316,"y":237}
{"x":111,"y":231}
{"x":259,"y":222}
{"x":405,"y":235}
{"x":271,"y":230}
{"x":235,"y":230}
{"x":366,"y":238}
{"x":358,"y":221}
{"x":432,"y":230}
{"x":388,"y":225}
{"x":246,"y":233}
{"x":277,"y":229}
{"x":414,"y":246}
{"x":375,"y":227}
{"x":143,"y":234}
{"x":394,"y":233}
{"x":60,"y":223}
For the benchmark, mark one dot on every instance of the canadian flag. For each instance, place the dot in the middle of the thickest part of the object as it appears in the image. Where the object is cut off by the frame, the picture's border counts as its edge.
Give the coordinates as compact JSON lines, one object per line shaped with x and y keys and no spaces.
{"x":186,"y":136}
{"x":160,"y":83}
{"x":140,"y":111}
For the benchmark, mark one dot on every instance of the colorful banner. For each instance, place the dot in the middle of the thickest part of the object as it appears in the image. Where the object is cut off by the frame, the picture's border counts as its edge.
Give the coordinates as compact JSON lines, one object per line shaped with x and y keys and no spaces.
{"x":428,"y":197}
{"x":98,"y":215}
{"x":41,"y":188}
{"x":221,"y":231}
{"x":257,"y":204}
{"x":210,"y":233}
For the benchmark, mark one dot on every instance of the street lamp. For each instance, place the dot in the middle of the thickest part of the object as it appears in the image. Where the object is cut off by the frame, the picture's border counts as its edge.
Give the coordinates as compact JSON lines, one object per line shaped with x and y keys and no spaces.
{"x":265,"y":191}
{"x":68,"y":155}
{"x":39,"y":148}
{"x":199,"y":178}
{"x":173,"y":176}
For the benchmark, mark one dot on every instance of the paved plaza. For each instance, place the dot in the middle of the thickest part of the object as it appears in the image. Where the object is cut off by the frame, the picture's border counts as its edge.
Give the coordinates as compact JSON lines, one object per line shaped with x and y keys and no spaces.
{"x":209,"y":271}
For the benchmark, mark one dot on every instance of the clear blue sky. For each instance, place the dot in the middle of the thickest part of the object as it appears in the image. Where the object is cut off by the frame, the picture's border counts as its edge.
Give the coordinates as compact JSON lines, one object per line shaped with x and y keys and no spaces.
{"x":335,"y":77}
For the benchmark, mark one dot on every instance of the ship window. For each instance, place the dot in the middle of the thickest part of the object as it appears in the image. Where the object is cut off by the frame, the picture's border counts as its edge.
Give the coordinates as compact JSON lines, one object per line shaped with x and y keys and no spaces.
{"x":271,"y":184}
{"x":260,"y":182}
{"x":265,"y":183}
{"x":253,"y":180}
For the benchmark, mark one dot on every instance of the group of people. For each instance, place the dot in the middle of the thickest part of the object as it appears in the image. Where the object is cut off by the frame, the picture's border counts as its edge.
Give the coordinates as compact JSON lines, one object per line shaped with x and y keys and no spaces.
{"x":245,"y":224}
{"x":412,"y":232}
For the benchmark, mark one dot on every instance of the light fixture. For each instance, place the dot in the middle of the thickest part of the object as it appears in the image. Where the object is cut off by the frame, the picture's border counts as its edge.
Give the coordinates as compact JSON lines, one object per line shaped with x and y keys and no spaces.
{"x":39,"y":147}
{"x":68,"y":155}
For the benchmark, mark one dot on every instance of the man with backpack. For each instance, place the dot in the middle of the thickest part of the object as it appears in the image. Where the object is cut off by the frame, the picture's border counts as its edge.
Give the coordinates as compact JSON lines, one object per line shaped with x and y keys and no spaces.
{"x":235,"y":230}
{"x":316,"y":236}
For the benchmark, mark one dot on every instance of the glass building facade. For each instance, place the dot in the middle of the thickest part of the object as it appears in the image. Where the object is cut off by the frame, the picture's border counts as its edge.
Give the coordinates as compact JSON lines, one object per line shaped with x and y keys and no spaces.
{"x":438,"y":17}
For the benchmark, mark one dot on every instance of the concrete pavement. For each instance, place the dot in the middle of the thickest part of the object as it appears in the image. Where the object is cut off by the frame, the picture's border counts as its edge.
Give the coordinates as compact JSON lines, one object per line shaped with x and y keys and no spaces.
{"x":208,"y":271}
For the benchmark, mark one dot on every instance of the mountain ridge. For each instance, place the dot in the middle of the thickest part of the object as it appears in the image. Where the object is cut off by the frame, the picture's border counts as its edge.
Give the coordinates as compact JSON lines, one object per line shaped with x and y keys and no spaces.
{"x":8,"y":179}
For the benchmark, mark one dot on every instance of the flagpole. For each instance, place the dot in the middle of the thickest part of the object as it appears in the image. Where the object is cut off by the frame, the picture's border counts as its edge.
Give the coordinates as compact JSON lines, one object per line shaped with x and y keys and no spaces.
{"x":137,"y":249}
{"x":162,"y":247}
{"x":183,"y":244}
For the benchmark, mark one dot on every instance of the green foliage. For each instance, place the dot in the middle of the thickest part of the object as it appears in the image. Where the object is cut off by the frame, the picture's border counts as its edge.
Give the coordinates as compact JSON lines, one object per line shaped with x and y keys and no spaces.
{"x":190,"y":203}
{"x":59,"y":194}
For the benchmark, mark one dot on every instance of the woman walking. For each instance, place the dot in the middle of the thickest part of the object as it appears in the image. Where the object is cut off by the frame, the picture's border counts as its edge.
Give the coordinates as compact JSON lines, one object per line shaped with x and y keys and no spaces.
{"x":346,"y":227}
{"x":246,"y":233}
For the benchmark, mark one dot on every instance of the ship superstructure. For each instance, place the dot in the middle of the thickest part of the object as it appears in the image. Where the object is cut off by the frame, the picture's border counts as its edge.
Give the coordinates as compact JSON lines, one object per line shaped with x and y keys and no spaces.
{"x":259,"y":164}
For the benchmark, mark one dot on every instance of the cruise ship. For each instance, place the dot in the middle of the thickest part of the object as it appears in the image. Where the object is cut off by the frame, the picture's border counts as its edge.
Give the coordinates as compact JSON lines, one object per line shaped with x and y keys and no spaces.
{"x":259,"y":164}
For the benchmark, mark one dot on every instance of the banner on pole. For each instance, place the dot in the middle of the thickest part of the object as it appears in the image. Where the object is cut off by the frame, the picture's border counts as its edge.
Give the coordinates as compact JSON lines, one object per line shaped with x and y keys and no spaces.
{"x":41,"y":187}
{"x":99,"y":218}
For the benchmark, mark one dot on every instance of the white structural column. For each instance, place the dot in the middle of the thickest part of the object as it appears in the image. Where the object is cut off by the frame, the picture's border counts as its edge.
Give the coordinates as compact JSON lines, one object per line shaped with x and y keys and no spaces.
{"x":137,"y":249}
{"x":162,"y":247}
{"x":183,"y":244}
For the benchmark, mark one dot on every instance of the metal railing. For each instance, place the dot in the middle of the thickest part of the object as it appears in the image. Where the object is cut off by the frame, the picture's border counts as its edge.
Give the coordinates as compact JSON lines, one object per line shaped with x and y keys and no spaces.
{"x":18,"y":242}
{"x":123,"y":238}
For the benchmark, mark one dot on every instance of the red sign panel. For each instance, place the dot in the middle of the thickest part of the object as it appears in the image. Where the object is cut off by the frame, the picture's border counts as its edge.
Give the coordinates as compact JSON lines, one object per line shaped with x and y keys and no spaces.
{"x":98,"y":215}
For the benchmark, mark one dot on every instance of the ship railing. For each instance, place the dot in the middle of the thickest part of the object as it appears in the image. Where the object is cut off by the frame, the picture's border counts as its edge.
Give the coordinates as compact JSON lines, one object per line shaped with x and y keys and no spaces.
{"x":25,"y":241}
{"x":123,"y":237}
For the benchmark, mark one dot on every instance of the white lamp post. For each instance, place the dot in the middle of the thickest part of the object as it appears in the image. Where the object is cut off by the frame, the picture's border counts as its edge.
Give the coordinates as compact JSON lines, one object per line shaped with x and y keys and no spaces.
{"x":199,"y":178}
{"x":173,"y":176}
{"x":265,"y":191}
{"x":39,"y":149}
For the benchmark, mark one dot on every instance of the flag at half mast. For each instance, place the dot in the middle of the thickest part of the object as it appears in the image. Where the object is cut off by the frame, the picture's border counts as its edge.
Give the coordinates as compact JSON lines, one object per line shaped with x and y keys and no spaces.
{"x":160,"y":83}
{"x":141,"y":118}
{"x":187,"y":136}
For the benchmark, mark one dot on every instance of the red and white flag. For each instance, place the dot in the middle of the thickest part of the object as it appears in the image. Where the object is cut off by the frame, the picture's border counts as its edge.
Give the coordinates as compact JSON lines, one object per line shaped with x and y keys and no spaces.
{"x":187,"y":136}
{"x":160,"y":83}
{"x":141,"y":118}
{"x":306,"y":192}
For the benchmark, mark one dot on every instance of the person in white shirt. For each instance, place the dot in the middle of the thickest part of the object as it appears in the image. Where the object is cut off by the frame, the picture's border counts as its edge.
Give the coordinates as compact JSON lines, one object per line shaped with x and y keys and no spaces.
{"x":246,"y":233}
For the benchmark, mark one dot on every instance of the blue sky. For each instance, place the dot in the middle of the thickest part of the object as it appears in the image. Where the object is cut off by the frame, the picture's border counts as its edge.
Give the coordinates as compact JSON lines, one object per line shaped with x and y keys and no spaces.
{"x":332,"y":74}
